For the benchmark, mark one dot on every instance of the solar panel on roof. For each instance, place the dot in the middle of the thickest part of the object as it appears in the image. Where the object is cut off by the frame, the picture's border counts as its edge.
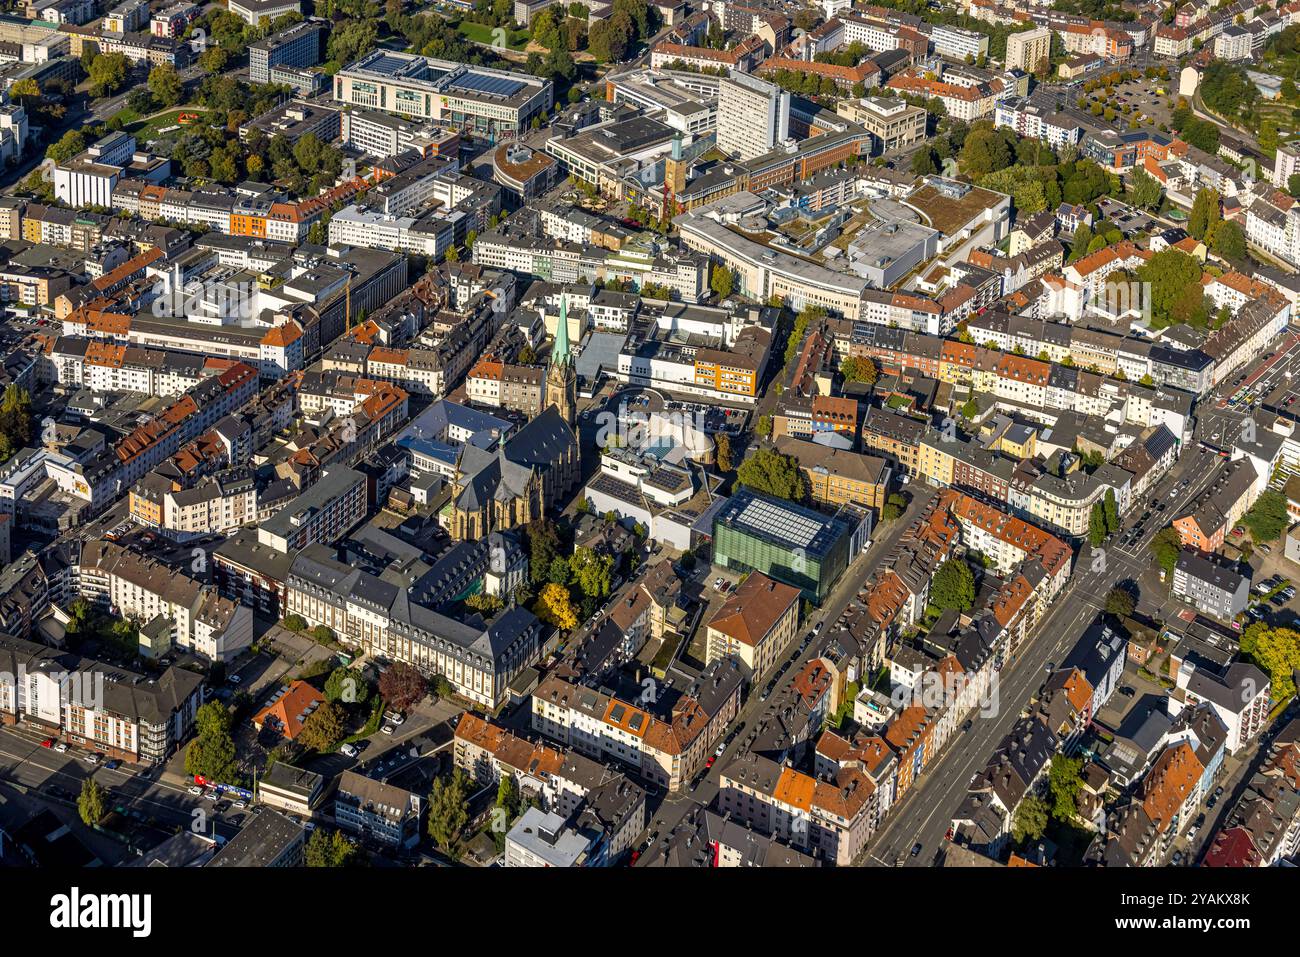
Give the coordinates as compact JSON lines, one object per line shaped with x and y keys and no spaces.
{"x":385,"y":63}
{"x":491,"y":85}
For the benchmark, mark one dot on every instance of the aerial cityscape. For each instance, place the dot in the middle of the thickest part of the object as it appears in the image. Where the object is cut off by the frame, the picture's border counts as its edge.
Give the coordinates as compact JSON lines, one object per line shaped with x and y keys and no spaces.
{"x":649,"y":434}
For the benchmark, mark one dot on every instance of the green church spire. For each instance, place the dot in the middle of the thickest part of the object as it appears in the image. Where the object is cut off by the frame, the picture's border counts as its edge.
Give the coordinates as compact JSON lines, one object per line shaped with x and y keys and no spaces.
{"x":560,"y":354}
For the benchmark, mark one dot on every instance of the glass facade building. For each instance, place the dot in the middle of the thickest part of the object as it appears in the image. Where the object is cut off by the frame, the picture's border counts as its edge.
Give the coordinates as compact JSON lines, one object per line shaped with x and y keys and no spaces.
{"x":793,"y":544}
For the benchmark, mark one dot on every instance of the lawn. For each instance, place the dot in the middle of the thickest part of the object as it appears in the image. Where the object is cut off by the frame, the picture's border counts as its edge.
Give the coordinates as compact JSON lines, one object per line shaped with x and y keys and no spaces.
{"x":481,"y":33}
{"x":144,"y":129}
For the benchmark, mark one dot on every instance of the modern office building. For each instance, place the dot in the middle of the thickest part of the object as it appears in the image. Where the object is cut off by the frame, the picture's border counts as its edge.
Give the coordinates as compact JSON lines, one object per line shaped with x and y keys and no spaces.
{"x":298,"y":46}
{"x":892,"y":123}
{"x":322,"y":513}
{"x":785,"y":541}
{"x":494,"y":103}
{"x":753,"y":116}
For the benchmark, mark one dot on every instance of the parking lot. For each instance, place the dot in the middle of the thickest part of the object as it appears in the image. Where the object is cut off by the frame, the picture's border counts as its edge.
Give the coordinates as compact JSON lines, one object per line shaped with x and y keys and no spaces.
{"x":1130,"y":220}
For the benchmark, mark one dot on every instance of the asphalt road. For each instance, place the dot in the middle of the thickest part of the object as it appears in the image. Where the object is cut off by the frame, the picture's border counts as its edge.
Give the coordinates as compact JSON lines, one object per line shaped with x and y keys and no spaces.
{"x":23,"y":761}
{"x":925,"y":812}
{"x":676,"y":806}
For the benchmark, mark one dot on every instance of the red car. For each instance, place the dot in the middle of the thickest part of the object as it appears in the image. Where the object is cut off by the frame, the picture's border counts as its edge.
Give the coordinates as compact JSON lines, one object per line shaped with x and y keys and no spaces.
{"x":709,"y":763}
{"x":47,"y":743}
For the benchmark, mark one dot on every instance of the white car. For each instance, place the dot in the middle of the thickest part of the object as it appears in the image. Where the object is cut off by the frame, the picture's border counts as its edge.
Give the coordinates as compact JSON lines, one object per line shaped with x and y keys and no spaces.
{"x":61,"y":747}
{"x":349,"y":750}
{"x":195,"y":789}
{"x":717,"y":752}
{"x":387,"y":729}
{"x":309,"y":826}
{"x":235,"y":679}
{"x":241,"y":804}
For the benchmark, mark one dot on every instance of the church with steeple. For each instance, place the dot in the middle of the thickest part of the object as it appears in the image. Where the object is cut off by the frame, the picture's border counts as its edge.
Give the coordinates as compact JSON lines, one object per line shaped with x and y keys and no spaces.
{"x":561,"y":375}
{"x":535,"y":470}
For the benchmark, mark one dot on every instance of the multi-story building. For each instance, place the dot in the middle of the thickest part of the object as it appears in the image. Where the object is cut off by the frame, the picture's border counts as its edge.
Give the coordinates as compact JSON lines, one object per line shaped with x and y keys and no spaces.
{"x":892,"y":123}
{"x":753,"y":116}
{"x":830,"y":818}
{"x":1027,"y":50}
{"x":297,"y":46}
{"x":838,"y":476}
{"x":400,"y":623}
{"x":666,"y":749}
{"x":377,"y":811}
{"x":756,"y":624}
{"x":785,"y":541}
{"x":323,"y":513}
{"x":480,"y":100}
{"x":199,"y":619}
{"x":1210,"y":587}
{"x":96,"y":705}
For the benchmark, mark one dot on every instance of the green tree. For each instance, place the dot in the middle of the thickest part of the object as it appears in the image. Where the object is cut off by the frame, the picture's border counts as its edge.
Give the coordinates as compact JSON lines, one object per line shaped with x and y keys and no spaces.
{"x":984,"y":150}
{"x":1165,"y":549}
{"x":348,"y":686}
{"x":1205,"y":214}
{"x":449,"y":810}
{"x":764,"y":426}
{"x":1171,"y":273}
{"x":592,"y":572}
{"x":92,"y":803}
{"x":953,"y":586}
{"x":212,"y":752}
{"x":349,"y":40}
{"x":893,"y":508}
{"x":722,"y":281}
{"x":1097,"y":524}
{"x":329,"y":849}
{"x":1111,"y":510}
{"x":1229,"y":241}
{"x":69,"y":145}
{"x":1064,"y":782}
{"x":802,"y":320}
{"x":108,"y":74}
{"x":1030,"y":819}
{"x":1267,"y":518}
{"x":324,"y":728}
{"x":1276,"y":652}
{"x":772,"y":473}
{"x":859,"y":369}
{"x":165,"y":85}
{"x":1120,"y":603}
{"x":1145,"y":190}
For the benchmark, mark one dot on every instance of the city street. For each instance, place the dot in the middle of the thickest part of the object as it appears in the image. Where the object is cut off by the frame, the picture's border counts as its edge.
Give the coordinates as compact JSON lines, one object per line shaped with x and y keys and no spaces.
{"x":925,"y":813}
{"x":676,"y":806}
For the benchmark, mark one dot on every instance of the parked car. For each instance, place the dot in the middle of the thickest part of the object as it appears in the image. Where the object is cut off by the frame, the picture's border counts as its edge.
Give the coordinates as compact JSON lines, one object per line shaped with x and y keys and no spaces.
{"x":195,"y":790}
{"x":47,"y":743}
{"x":349,"y":749}
{"x":388,"y":729}
{"x":234,"y":679}
{"x":61,"y":747}
{"x":112,"y":765}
